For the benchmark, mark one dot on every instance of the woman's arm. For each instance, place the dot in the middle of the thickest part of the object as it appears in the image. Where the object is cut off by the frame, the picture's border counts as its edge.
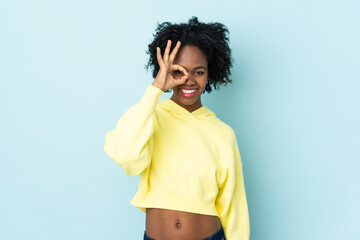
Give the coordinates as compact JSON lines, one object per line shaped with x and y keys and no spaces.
{"x":130,"y":143}
{"x":232,"y":204}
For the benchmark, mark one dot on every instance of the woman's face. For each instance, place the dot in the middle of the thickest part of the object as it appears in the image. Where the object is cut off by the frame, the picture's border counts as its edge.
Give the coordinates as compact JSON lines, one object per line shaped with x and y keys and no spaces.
{"x":195,"y":63}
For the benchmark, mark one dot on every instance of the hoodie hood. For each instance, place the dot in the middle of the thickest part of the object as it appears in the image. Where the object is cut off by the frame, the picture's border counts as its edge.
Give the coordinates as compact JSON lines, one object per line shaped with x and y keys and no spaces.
{"x":201,"y":113}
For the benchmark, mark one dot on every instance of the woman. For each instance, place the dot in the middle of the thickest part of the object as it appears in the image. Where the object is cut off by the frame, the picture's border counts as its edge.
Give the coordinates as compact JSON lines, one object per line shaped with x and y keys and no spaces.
{"x":191,"y":182}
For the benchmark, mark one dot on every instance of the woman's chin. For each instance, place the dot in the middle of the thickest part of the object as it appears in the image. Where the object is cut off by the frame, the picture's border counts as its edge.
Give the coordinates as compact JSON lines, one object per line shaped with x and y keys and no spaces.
{"x":187,"y":100}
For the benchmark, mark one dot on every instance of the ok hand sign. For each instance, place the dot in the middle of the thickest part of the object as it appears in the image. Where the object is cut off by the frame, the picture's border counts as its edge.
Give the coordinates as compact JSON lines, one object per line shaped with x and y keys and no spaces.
{"x":165,"y":78}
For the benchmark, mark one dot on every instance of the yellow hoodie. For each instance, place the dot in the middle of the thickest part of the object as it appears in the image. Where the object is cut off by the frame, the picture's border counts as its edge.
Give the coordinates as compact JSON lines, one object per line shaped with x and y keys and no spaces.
{"x":186,"y":161}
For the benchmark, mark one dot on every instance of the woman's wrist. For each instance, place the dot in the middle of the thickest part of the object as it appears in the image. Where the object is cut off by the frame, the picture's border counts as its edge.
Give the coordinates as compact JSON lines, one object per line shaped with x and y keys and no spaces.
{"x":157,"y":85}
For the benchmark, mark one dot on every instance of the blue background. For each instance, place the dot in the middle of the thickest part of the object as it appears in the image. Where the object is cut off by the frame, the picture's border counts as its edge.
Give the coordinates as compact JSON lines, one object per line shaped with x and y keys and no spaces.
{"x":70,"y":69}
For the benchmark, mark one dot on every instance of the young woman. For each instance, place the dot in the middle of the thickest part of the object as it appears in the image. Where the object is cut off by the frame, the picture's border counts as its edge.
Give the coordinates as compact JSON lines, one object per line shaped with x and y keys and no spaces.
{"x":191,"y":183}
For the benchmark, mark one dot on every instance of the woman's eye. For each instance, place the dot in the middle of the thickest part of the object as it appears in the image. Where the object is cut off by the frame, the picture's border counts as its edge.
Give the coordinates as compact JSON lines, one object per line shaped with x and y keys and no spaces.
{"x":177,"y":72}
{"x":200,"y":73}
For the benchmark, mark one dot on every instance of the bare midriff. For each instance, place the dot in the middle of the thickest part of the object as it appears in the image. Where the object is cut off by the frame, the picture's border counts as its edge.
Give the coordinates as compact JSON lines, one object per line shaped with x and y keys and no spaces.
{"x":165,"y":224}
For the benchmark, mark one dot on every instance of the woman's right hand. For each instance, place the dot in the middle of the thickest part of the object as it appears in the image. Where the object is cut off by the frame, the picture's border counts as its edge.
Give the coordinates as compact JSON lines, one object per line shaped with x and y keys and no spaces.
{"x":166,"y":78}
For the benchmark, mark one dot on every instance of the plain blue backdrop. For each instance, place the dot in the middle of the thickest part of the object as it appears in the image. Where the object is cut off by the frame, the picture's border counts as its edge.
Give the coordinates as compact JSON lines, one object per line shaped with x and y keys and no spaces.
{"x":70,"y":69}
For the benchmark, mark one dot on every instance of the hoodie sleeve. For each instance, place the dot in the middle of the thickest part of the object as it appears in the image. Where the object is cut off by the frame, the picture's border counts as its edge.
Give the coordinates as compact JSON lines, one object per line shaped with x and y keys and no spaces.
{"x":232,"y":204}
{"x":130,"y":143}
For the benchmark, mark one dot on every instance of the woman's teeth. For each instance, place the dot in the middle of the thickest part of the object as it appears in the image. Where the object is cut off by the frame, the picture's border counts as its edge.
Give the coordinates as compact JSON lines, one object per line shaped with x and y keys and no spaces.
{"x":187,"y":91}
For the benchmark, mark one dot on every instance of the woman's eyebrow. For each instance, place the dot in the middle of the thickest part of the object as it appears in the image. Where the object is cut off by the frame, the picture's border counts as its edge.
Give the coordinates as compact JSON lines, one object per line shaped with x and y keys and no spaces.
{"x":200,"y":67}
{"x":194,"y":68}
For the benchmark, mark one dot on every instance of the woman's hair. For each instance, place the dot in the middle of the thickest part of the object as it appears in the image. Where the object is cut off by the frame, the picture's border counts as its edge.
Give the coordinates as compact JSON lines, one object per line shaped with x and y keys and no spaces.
{"x":210,"y":38}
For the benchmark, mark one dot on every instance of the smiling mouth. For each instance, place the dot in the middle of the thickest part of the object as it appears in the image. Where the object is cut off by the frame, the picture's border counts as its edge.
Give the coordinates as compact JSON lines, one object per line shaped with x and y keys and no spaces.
{"x":188,"y":93}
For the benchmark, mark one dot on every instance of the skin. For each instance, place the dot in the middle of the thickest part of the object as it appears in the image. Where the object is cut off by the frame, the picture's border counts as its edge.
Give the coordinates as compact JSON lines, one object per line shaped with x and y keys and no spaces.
{"x":179,"y":69}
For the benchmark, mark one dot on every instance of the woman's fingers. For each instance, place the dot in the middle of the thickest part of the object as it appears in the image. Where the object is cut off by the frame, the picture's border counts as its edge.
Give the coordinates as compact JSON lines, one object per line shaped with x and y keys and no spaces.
{"x":159,"y":58}
{"x":167,"y":51}
{"x":174,"y":52}
{"x":183,"y":77}
{"x":167,"y":56}
{"x":179,"y":67}
{"x":165,"y":62}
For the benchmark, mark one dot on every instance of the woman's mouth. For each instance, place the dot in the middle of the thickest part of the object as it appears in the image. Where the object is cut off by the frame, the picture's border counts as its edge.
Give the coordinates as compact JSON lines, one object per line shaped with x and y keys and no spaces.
{"x":188,"y":93}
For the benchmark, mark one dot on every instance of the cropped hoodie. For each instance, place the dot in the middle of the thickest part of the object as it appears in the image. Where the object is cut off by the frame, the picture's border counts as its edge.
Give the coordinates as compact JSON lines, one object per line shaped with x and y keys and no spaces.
{"x":187,"y":161}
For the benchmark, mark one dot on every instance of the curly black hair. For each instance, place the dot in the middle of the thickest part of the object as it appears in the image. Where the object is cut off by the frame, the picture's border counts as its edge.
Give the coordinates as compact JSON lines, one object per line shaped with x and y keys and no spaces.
{"x":210,"y":38}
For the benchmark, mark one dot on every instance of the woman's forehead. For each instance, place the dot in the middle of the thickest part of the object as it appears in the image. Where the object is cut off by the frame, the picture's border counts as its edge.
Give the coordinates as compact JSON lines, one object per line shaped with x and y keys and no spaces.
{"x":191,"y":57}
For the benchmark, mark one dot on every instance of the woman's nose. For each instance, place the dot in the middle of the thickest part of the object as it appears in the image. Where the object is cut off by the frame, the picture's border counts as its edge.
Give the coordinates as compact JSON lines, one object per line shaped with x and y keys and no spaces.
{"x":190,"y":79}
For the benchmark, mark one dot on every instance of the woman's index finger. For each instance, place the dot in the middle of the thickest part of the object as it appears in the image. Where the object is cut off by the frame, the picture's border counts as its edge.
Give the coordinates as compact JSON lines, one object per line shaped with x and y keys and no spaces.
{"x":181,"y":68}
